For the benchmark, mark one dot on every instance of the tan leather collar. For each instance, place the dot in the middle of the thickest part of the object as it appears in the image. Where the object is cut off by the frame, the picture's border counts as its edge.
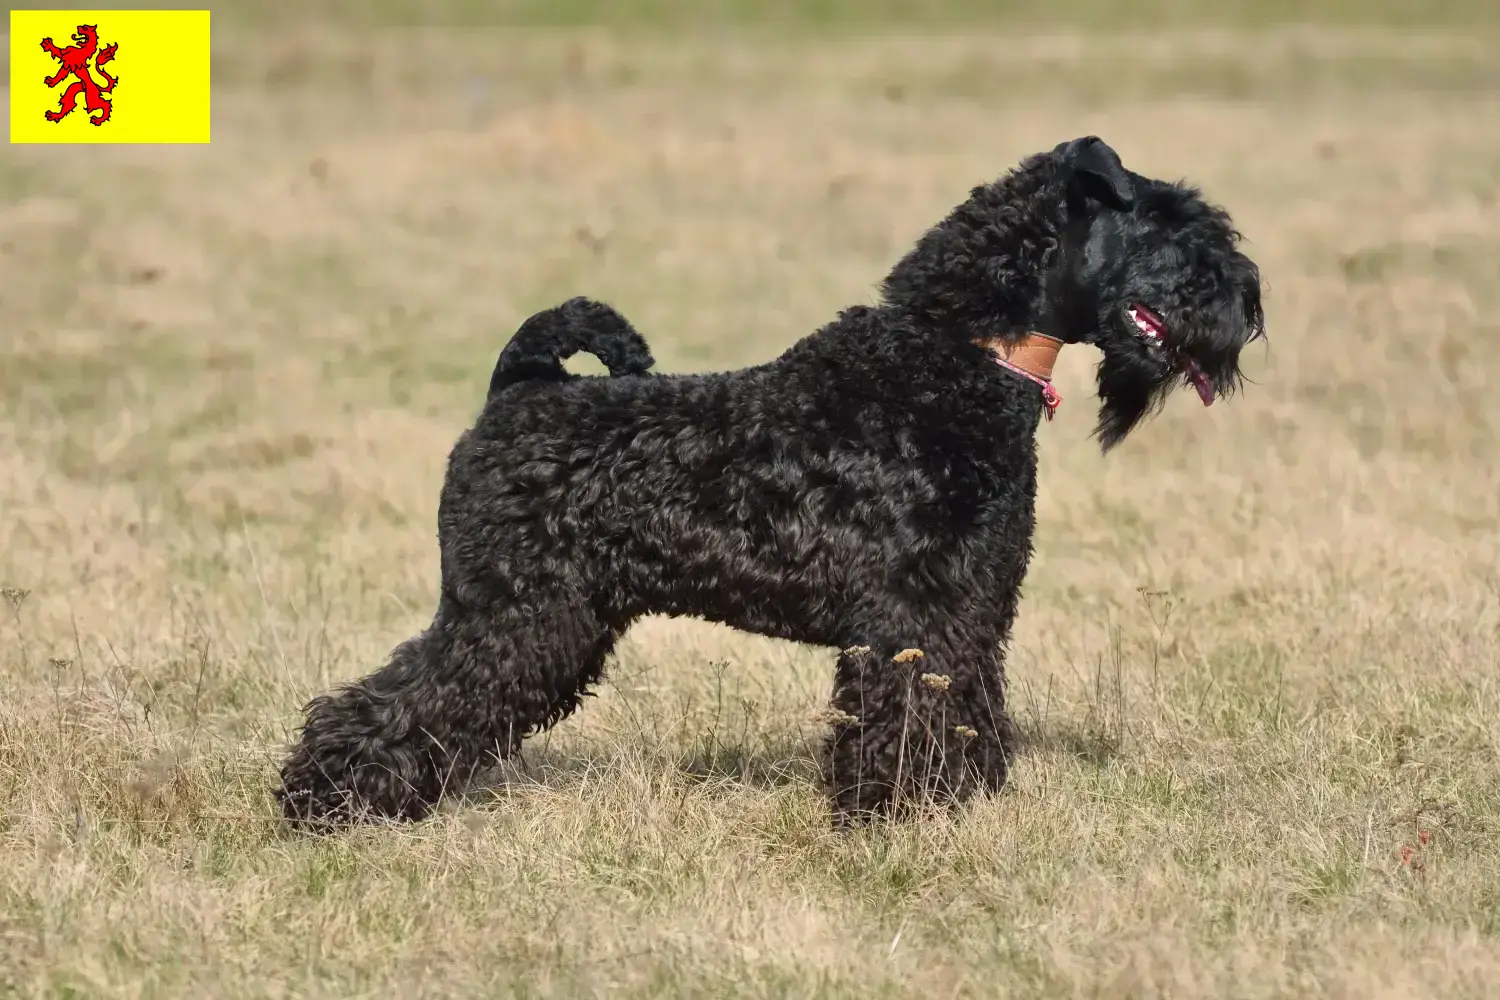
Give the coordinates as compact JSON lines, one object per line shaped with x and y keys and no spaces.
{"x":1034,"y":354}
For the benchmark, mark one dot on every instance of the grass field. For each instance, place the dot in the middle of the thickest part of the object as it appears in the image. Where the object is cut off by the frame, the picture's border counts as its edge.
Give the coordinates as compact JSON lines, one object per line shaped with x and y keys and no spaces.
{"x":1256,"y":663}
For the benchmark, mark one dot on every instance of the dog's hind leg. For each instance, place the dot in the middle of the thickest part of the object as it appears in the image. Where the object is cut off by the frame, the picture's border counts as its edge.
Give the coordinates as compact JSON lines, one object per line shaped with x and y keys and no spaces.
{"x":915,"y":722}
{"x":460,"y":694}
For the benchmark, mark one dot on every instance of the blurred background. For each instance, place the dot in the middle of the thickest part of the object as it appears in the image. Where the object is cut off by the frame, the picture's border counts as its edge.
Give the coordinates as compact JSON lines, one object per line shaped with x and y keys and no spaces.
{"x":1256,"y":651}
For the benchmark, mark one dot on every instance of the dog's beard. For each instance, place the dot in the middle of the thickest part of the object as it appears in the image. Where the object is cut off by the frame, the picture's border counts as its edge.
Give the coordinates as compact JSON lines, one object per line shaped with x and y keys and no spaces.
{"x":1130,"y":388}
{"x":1133,"y":385}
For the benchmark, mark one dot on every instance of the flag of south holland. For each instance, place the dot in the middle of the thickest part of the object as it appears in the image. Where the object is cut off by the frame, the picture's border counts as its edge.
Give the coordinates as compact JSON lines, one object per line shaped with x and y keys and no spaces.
{"x":109,"y":76}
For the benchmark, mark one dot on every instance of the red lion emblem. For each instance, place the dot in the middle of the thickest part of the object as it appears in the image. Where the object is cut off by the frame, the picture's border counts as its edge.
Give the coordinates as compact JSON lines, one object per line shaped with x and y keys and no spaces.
{"x":75,"y":62}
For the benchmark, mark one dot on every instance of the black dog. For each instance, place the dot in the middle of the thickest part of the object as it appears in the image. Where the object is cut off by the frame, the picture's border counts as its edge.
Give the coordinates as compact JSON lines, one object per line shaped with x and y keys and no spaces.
{"x":872,"y":489}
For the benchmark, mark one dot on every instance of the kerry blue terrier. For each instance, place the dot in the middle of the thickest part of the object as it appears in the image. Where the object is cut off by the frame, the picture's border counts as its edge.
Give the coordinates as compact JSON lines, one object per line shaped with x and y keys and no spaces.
{"x":871,"y":490}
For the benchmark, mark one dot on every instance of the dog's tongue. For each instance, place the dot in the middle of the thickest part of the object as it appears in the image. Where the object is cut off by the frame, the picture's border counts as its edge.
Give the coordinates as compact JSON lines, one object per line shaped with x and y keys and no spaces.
{"x":1200,"y":381}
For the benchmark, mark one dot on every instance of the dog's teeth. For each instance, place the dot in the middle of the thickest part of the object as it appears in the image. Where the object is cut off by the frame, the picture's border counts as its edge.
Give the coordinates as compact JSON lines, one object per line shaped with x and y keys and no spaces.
{"x":1145,"y":326}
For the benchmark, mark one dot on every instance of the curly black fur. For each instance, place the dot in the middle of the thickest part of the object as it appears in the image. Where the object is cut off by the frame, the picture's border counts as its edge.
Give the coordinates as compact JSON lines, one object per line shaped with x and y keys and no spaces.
{"x":871,"y":489}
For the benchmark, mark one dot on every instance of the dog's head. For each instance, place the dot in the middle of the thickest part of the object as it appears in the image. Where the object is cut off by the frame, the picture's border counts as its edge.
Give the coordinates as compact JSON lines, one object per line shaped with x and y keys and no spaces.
{"x":1074,"y":245}
{"x":1151,"y":274}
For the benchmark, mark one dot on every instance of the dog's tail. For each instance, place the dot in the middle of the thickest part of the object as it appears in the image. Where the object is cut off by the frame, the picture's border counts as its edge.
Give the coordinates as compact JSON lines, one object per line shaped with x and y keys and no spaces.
{"x":540,"y":346}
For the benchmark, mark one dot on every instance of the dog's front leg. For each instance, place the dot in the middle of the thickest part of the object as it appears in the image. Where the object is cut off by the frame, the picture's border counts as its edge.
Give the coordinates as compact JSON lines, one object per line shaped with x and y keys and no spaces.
{"x":915,"y":723}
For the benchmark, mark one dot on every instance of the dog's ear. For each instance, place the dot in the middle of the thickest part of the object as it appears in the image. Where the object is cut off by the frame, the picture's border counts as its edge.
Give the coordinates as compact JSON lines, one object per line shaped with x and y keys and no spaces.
{"x":1095,"y":168}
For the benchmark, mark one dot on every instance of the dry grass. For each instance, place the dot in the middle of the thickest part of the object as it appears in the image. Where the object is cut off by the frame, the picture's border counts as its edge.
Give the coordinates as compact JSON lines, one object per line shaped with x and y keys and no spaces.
{"x":1256,"y":659}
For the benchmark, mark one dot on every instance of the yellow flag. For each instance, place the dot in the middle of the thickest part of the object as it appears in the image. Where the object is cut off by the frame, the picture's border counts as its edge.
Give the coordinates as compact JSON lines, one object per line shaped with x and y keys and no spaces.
{"x":109,"y":76}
